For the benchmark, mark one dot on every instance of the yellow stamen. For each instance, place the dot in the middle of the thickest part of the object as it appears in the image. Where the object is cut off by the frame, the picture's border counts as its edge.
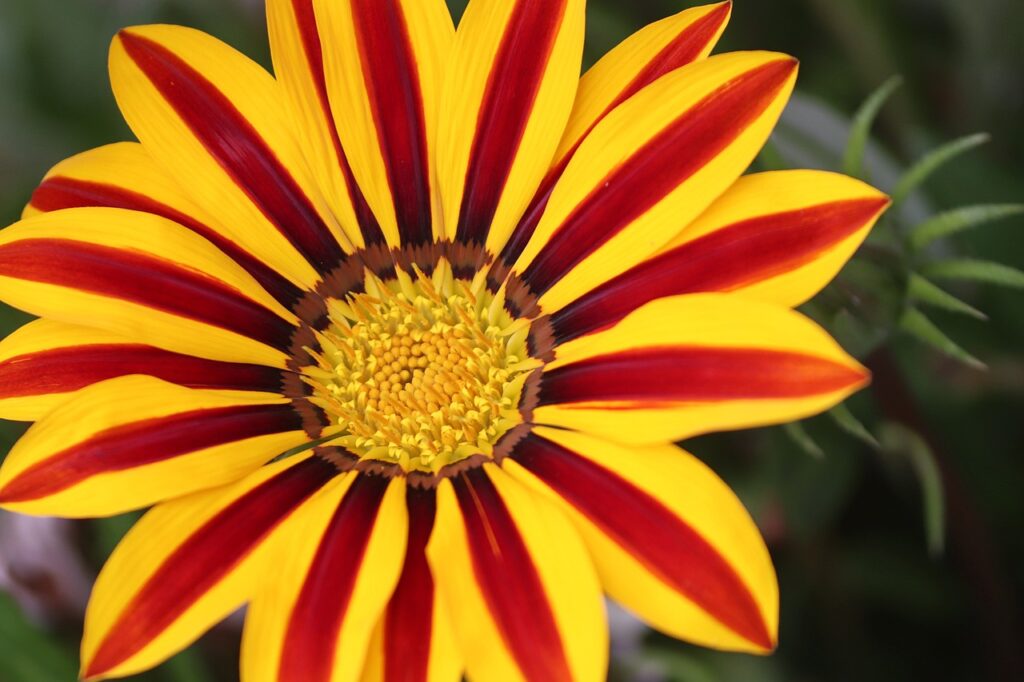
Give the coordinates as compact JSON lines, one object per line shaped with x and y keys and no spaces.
{"x":422,"y":370}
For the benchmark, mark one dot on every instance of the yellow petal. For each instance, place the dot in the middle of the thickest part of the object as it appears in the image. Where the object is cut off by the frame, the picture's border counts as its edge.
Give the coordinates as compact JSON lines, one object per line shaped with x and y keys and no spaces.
{"x":144,"y":278}
{"x":298,"y":54}
{"x":778,"y":236}
{"x":670,"y":541}
{"x":811,"y":221}
{"x":216,"y":122}
{"x":694,"y":364}
{"x":45,"y":361}
{"x":129,"y":442}
{"x":414,"y":641}
{"x":123,"y":175}
{"x":650,"y":167}
{"x":638,"y":61}
{"x":189,"y":563}
{"x":384,"y":70}
{"x":318,"y":602}
{"x":524,"y":598}
{"x":508,"y":94}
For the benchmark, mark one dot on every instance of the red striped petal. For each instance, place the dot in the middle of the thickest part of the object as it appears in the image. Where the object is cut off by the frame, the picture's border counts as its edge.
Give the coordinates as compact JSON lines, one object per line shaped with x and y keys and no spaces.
{"x":669,"y":158}
{"x":409,"y":618}
{"x":208,"y":555}
{"x":390,"y":74}
{"x":312,"y":635}
{"x":146,"y":442}
{"x":723,"y":260}
{"x":651,"y":533}
{"x":684,"y":49}
{"x":238,"y":148}
{"x":306,"y":19}
{"x":62,"y":370}
{"x":143,"y":279}
{"x":682,"y":374}
{"x":56,"y":193}
{"x":509,"y":581}
{"x":508,"y":102}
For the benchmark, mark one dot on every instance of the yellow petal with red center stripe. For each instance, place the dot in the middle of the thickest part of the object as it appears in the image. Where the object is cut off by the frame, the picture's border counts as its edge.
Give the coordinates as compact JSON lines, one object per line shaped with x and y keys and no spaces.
{"x":635,"y":63}
{"x":670,"y":540}
{"x":216,"y":122}
{"x":189,"y":563}
{"x":298,"y":53}
{"x":314,"y":612}
{"x":45,"y":361}
{"x":508,"y":95}
{"x":144,"y":278}
{"x":123,"y":175}
{"x":133,"y":441}
{"x":522,"y":591}
{"x":693,"y":364}
{"x":413,"y":641}
{"x":650,"y":167}
{"x":384,"y":73}
{"x":778,"y":237}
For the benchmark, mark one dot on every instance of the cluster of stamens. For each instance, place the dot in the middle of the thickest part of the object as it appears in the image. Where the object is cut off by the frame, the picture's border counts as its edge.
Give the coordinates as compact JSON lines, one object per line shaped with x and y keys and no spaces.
{"x":419,"y":371}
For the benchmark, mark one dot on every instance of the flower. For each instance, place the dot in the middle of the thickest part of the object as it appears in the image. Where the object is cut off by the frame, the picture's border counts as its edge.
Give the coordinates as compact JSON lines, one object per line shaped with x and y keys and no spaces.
{"x":474,"y":300}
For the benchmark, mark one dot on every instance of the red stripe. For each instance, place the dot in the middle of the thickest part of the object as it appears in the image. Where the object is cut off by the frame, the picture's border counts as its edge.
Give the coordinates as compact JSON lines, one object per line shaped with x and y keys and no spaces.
{"x":148,"y":441}
{"x":238,"y":148}
{"x":393,"y":88}
{"x":409,"y":619}
{"x":649,"y":532}
{"x":692,"y":373}
{"x":684,"y":49}
{"x":205,"y":559}
{"x":676,"y":153}
{"x":58,"y":193}
{"x":509,"y":581}
{"x":143,"y":279}
{"x":61,"y":370}
{"x":305,"y":18}
{"x":311,"y":640}
{"x":729,"y":258}
{"x":508,"y":101}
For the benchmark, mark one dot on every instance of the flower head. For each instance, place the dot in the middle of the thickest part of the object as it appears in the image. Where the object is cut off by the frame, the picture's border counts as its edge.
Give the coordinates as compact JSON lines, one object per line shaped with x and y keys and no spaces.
{"x":472,"y":298}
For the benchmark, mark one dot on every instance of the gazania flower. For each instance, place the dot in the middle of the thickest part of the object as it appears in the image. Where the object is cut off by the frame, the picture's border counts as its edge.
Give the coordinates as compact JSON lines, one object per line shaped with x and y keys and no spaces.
{"x":397,"y":343}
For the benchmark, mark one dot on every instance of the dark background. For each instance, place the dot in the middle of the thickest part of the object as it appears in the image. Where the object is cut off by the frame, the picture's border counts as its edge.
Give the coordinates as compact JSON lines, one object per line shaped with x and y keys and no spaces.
{"x":863,"y":597}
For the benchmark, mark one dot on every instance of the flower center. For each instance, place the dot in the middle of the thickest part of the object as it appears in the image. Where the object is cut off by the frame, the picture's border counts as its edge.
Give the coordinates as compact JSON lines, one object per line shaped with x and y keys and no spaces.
{"x":420,"y":372}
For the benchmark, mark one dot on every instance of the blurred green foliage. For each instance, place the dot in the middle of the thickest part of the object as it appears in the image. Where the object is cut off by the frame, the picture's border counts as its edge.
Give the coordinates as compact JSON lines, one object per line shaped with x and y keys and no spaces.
{"x":862,"y":597}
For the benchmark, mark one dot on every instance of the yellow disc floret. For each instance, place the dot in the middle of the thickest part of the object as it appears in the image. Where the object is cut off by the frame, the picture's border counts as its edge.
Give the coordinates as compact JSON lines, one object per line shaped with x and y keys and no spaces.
{"x":420,"y":372}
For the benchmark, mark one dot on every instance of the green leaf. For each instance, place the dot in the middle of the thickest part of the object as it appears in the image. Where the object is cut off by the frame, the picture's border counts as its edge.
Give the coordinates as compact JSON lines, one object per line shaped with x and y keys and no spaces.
{"x":976,"y":271}
{"x":28,"y":654}
{"x":931,"y":162}
{"x":920,"y":327}
{"x":860,"y":131}
{"x":798,"y":434}
{"x":958,"y":220}
{"x":923,"y":291}
{"x":901,"y":441}
{"x":849,"y":423}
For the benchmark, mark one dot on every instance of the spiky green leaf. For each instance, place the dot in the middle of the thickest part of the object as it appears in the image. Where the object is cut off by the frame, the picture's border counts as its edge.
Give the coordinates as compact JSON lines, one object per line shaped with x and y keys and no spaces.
{"x":958,"y":220}
{"x":974,"y":270}
{"x":848,"y":422}
{"x":923,"y":291}
{"x":898,"y":440}
{"x":798,"y":434}
{"x":932,"y":161}
{"x":860,"y":130}
{"x":920,"y":327}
